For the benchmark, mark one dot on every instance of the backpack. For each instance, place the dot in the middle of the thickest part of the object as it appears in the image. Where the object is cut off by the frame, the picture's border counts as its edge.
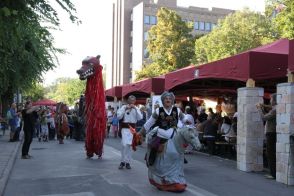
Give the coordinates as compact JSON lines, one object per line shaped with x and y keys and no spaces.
{"x":8,"y":115}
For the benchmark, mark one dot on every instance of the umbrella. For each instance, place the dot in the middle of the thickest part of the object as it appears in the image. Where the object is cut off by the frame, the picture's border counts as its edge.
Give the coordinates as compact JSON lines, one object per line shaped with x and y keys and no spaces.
{"x":45,"y":102}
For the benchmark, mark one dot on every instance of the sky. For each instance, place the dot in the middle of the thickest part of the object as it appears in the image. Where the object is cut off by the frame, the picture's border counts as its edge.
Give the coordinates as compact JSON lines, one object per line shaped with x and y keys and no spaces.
{"x":93,"y":36}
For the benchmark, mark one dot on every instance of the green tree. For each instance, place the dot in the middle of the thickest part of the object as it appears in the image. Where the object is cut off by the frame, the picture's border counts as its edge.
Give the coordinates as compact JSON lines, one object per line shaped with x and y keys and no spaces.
{"x":67,"y":90}
{"x":151,"y":70}
{"x":284,"y":20}
{"x":26,"y":45}
{"x":170,"y":44}
{"x":35,"y":92}
{"x":238,"y":32}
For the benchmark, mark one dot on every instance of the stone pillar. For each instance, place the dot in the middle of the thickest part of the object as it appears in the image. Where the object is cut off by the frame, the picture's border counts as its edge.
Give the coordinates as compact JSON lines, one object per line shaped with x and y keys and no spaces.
{"x":250,"y":130}
{"x":285,"y":128}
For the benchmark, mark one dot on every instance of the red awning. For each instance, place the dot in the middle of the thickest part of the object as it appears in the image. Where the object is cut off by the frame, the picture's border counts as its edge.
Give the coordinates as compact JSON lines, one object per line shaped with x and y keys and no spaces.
{"x":114,"y":92}
{"x":144,"y":88}
{"x":291,"y":56}
{"x":45,"y":102}
{"x":267,"y":62}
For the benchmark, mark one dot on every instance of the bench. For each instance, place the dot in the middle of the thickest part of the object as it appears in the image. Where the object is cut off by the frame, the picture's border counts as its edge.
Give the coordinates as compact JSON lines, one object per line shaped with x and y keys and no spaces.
{"x":226,"y":148}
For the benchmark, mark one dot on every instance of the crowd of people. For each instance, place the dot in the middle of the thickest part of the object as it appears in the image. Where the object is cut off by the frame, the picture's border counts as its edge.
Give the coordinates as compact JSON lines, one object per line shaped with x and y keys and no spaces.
{"x":42,"y":122}
{"x":172,"y":130}
{"x":211,"y":125}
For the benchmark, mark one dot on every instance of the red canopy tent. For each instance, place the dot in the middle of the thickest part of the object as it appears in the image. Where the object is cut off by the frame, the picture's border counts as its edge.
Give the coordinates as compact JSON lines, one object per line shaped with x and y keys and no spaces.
{"x":113,"y":92}
{"x":291,"y":56}
{"x":45,"y":102}
{"x":143,"y":88}
{"x":267,"y":65}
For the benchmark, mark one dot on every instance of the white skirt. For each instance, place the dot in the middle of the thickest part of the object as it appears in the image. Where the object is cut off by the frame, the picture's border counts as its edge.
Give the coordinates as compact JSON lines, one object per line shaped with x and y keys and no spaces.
{"x":126,"y":136}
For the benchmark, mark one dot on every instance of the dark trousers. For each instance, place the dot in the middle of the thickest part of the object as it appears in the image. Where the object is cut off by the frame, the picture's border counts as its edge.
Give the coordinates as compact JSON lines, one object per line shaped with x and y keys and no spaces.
{"x":28,"y":137}
{"x":271,"y":139}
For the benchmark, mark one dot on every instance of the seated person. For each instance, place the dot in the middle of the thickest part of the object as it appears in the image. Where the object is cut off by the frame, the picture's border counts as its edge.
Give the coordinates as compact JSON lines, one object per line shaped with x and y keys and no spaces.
{"x":210,"y":128}
{"x":226,"y":126}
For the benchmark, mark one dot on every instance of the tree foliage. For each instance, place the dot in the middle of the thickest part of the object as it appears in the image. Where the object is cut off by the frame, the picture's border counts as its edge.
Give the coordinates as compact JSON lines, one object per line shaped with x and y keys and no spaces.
{"x":151,"y":70}
{"x":67,"y":90}
{"x":35,"y":92}
{"x":284,"y":20}
{"x":170,"y":44}
{"x":238,"y":32}
{"x":26,"y":46}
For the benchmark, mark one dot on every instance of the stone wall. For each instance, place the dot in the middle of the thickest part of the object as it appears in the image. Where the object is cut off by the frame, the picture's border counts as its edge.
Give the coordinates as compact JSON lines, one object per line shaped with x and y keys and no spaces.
{"x":285,"y":128}
{"x":250,"y":131}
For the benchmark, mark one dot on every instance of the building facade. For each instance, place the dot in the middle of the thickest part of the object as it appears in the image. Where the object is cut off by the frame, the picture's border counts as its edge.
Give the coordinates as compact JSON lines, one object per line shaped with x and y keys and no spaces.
{"x":131,"y":21}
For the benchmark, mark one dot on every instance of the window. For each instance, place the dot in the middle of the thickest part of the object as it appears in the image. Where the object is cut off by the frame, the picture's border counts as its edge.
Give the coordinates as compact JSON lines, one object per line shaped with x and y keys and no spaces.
{"x":201,"y":26}
{"x":146,"y":53}
{"x":196,"y":25}
{"x":146,"y":19}
{"x":207,"y":26}
{"x":145,"y":36}
{"x":153,"y":20}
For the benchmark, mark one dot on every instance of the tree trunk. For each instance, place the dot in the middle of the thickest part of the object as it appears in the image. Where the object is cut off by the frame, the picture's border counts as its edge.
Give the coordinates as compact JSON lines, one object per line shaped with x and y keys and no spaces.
{"x":6,"y":100}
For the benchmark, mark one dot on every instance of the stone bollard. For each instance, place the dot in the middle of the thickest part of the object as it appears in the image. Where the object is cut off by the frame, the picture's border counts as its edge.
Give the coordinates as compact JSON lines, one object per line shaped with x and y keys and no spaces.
{"x":285,"y":128}
{"x":250,"y":130}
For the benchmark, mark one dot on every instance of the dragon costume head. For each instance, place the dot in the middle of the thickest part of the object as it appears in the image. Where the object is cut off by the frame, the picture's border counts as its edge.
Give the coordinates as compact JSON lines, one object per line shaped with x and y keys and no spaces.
{"x":90,"y":66}
{"x":95,"y":113}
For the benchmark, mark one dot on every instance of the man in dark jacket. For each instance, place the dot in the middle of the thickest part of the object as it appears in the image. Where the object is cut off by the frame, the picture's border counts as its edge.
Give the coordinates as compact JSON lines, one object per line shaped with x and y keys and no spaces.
{"x":29,"y":116}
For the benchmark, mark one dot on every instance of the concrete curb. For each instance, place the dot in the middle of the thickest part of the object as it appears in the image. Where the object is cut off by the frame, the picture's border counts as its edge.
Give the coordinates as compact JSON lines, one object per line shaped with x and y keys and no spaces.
{"x":8,"y":168}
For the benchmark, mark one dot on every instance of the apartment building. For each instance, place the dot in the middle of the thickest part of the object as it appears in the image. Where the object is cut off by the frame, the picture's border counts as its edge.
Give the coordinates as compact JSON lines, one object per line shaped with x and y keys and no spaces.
{"x":131,"y":21}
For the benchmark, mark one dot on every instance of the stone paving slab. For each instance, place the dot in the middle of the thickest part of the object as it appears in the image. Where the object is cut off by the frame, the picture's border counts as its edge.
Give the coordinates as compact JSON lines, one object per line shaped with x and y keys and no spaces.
{"x":8,"y":152}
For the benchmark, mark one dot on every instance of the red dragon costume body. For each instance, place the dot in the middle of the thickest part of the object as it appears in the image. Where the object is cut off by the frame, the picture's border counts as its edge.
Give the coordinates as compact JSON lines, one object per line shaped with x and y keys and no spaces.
{"x":95,"y":113}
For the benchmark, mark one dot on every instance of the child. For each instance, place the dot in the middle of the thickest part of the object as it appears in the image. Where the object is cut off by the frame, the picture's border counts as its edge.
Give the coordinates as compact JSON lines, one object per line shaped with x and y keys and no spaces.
{"x":114,"y":124}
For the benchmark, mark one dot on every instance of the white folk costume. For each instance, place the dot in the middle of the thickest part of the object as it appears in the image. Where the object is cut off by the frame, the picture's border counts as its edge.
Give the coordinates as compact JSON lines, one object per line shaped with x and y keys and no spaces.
{"x":129,"y":118}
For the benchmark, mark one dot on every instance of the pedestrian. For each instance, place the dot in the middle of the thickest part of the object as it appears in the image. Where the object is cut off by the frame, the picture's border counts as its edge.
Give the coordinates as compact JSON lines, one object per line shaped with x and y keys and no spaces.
{"x":189,"y":122}
{"x":29,"y":115}
{"x":129,"y":114}
{"x":114,"y":125}
{"x":270,"y":132}
{"x":110,"y":112}
{"x":18,"y":128}
{"x":44,"y":126}
{"x":62,"y":123}
{"x":12,"y":117}
{"x":148,"y":108}
{"x":51,"y":125}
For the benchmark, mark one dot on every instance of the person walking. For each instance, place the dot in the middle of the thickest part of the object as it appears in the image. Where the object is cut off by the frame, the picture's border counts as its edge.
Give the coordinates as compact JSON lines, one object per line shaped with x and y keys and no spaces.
{"x":129,"y":114}
{"x":29,"y":116}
